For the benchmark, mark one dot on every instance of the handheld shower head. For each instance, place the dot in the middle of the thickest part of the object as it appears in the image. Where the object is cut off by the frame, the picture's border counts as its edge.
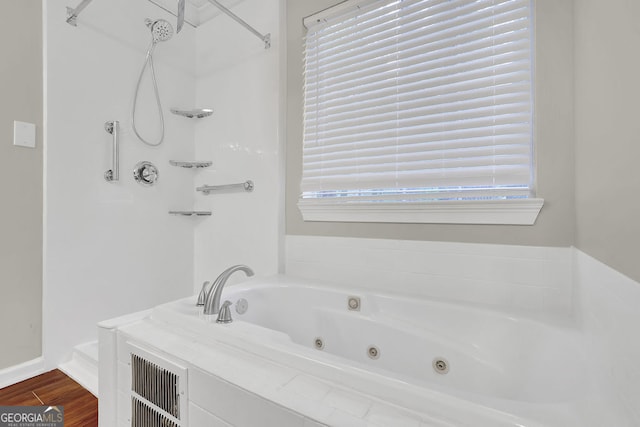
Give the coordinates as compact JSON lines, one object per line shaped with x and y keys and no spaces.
{"x":161,"y":30}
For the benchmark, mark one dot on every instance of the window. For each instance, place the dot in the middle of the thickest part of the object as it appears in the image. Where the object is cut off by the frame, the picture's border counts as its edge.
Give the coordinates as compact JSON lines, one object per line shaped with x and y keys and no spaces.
{"x":419,"y":111}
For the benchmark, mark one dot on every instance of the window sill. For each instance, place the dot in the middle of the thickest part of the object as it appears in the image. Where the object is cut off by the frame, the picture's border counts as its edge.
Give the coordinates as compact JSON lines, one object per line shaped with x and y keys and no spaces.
{"x":507,"y":212}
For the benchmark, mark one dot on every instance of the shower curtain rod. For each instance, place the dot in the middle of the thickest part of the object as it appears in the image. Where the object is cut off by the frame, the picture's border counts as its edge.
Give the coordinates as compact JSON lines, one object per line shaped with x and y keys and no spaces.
{"x":72,"y":17}
{"x":266,"y":39}
{"x":72,"y":14}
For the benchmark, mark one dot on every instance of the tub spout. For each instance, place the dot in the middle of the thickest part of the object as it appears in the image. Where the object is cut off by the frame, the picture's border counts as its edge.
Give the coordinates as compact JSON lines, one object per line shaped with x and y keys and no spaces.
{"x":212,"y":300}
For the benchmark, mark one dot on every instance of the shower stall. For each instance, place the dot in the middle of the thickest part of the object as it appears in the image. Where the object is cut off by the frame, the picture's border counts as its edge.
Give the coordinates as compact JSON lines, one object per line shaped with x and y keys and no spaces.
{"x":112,"y":248}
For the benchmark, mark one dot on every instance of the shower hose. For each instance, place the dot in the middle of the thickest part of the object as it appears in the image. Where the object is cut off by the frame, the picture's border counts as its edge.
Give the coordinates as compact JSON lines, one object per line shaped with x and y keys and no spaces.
{"x":148,"y":62}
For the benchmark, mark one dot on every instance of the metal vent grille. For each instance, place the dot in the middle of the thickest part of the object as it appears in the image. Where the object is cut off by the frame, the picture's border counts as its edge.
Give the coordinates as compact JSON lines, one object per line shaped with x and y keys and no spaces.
{"x":143,"y":415}
{"x":156,"y":385}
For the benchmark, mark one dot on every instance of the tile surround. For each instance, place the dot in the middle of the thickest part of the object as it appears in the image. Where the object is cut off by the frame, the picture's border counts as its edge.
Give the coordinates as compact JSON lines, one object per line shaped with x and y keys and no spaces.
{"x":237,"y":406}
{"x":349,"y":403}
{"x":607,"y":303}
{"x":200,"y":417}
{"x":222,"y":381}
{"x":501,"y":276}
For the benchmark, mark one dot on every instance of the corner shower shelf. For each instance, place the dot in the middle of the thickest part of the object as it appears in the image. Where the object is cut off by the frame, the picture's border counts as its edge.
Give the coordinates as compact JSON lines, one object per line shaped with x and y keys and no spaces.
{"x":191,"y":164}
{"x":197,"y":113}
{"x":190,"y":213}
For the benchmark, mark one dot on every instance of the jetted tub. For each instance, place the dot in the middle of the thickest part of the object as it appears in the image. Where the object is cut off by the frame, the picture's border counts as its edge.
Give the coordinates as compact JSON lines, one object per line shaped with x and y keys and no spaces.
{"x":401,"y":349}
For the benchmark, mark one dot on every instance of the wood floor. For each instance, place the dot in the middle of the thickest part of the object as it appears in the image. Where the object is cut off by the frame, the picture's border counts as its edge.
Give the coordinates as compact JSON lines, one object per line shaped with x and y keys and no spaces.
{"x":54,"y":388}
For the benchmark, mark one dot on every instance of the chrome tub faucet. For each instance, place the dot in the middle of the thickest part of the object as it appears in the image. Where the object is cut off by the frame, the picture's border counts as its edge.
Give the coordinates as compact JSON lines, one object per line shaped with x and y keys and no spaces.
{"x":212,"y":299}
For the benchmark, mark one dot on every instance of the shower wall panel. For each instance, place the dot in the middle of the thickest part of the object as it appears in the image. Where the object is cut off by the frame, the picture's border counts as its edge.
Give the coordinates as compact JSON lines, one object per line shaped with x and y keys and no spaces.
{"x":241,"y":81}
{"x":111,"y":247}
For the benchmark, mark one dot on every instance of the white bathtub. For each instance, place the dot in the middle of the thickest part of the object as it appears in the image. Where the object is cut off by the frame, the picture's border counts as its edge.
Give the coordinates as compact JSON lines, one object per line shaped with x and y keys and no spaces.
{"x":526,"y":371}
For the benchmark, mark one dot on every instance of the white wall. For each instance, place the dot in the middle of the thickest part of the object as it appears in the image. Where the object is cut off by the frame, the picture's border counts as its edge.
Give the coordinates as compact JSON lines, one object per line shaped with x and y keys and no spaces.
{"x":240,"y":80}
{"x":607,"y":89}
{"x":111,"y":248}
{"x":607,"y":128}
{"x":20,"y":185}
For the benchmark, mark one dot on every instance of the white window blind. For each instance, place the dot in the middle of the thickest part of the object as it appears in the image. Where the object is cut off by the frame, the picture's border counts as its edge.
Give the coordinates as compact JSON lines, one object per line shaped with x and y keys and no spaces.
{"x":418,"y":100}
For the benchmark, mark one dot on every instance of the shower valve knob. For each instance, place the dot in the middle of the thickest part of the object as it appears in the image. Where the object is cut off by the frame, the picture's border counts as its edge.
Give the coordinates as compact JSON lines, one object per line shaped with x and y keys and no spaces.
{"x":145,"y":173}
{"x":149,"y":175}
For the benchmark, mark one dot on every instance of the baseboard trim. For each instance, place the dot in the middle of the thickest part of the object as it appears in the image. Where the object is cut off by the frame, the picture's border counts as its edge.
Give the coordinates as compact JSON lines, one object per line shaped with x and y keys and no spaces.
{"x":15,"y":374}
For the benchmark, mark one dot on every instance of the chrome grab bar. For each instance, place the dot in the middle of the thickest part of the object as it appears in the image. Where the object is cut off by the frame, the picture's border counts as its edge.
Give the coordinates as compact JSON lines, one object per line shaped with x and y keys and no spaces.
{"x":246,"y":186}
{"x":113,"y":174}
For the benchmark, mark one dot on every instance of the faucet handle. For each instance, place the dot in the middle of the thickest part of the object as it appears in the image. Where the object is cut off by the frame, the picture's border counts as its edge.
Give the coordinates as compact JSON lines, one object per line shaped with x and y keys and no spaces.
{"x":224,"y":316}
{"x":203,"y":293}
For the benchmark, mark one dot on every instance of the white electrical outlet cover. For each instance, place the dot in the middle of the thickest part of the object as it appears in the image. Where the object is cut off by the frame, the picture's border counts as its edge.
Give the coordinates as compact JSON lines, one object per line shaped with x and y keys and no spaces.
{"x":24,"y":134}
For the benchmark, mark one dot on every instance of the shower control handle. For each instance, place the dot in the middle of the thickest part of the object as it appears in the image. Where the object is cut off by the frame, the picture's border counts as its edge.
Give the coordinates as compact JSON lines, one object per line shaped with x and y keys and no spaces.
{"x":113,"y":174}
{"x":145,"y":173}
